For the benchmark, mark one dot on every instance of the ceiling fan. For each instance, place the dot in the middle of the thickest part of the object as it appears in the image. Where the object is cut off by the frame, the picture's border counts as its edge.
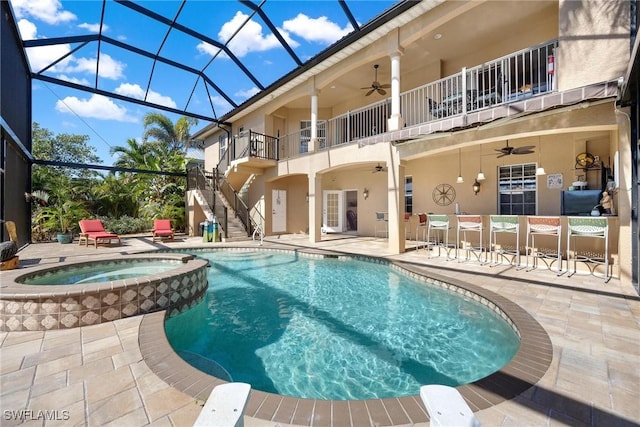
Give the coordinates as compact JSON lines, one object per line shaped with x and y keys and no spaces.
{"x":376,"y":86}
{"x":508,"y":150}
{"x":379,"y":168}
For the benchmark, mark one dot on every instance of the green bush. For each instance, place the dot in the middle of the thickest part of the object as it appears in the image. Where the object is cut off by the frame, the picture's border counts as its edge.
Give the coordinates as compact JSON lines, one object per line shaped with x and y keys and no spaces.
{"x":126,"y":225}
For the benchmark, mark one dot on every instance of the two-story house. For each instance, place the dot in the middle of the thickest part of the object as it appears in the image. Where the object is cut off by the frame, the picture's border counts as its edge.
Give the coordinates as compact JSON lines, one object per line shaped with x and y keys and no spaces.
{"x":479,"y":107}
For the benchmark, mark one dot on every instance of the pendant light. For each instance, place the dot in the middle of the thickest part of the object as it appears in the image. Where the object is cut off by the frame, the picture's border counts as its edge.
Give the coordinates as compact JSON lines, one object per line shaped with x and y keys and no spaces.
{"x":540,"y":170}
{"x":480,"y":176}
{"x":459,"y":180}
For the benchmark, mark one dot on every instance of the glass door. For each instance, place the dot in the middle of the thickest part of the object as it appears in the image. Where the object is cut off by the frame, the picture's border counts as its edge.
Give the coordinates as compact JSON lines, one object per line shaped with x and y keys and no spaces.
{"x":332,"y":211}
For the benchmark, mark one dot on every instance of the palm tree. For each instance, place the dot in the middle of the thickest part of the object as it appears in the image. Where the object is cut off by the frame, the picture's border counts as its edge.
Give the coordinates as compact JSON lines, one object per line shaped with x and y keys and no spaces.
{"x":160,"y":129}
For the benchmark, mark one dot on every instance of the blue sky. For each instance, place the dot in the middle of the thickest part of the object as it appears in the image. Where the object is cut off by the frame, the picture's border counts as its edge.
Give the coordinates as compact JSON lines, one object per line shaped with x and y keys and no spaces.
{"x":308,"y":27}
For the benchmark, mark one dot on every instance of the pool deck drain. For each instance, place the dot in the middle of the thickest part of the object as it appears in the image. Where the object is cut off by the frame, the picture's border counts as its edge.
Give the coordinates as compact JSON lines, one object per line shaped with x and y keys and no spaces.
{"x":102,"y":374}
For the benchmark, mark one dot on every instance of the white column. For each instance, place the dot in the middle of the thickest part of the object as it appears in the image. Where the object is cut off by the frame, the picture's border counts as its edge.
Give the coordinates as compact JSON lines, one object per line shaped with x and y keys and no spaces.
{"x":314,"y":122}
{"x":395,"y":122}
{"x":395,"y":206}
{"x":315,"y":207}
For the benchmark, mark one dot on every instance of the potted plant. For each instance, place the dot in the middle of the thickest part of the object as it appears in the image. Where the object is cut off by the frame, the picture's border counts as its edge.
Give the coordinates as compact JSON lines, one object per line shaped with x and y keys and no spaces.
{"x":61,"y":218}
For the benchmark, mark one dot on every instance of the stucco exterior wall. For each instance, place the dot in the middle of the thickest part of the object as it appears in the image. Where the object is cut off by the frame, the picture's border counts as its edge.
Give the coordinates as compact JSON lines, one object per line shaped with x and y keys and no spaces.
{"x":593,"y":42}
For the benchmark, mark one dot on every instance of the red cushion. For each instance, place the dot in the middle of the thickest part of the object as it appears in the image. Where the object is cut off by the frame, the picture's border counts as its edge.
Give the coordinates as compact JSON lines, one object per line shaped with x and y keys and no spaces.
{"x":91,"y":225}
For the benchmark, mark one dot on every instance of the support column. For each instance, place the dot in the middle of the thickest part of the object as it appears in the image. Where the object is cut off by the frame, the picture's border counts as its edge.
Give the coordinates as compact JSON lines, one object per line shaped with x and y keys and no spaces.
{"x":395,"y":122}
{"x":314,"y":143}
{"x":315,"y":207}
{"x":395,"y":200}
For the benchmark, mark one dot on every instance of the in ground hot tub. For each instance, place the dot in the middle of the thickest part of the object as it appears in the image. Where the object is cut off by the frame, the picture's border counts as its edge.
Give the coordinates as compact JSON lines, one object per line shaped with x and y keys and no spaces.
{"x":69,"y":295}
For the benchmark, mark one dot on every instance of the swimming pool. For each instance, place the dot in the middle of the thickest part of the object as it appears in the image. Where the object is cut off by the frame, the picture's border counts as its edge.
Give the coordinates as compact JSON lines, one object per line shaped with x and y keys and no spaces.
{"x":337,"y":328}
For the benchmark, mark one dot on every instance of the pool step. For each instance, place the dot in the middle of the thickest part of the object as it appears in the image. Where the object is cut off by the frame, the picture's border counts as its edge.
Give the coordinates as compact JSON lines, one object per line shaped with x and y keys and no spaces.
{"x":225,"y":406}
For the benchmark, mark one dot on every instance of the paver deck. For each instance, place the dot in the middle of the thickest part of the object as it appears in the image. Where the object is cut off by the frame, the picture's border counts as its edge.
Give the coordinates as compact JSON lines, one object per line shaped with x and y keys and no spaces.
{"x":97,"y":375}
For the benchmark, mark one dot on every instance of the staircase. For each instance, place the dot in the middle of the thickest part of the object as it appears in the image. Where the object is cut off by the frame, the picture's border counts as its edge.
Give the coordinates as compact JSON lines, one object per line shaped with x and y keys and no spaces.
{"x":235,"y":229}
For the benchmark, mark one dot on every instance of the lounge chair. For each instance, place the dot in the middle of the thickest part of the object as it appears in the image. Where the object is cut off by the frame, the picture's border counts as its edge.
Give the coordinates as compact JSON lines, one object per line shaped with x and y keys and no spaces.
{"x":162,"y":228}
{"x":92,"y":229}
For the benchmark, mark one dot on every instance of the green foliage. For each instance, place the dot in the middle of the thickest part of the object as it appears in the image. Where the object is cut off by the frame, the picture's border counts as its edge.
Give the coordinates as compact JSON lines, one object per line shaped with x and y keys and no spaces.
{"x":63,"y":216}
{"x":128,"y":202}
{"x":126,"y":224}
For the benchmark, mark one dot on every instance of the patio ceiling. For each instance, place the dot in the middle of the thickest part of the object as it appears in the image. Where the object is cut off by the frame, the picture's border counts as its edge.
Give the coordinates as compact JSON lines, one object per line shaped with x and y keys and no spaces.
{"x":169,"y":41}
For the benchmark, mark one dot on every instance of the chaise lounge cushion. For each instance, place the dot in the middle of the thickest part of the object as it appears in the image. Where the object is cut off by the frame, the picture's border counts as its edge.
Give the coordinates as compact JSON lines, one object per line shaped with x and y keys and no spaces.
{"x":162,"y":228}
{"x":94,"y":230}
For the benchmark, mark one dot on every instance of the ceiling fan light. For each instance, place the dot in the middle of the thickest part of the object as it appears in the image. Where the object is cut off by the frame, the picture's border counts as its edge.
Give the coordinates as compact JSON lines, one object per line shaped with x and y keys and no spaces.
{"x":480,"y":176}
{"x":459,"y":180}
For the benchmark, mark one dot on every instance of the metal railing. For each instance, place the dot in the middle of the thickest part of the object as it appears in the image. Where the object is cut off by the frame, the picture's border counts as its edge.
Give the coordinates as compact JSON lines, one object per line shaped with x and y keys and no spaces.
{"x":240,"y":208}
{"x":511,"y":78}
{"x":254,"y":144}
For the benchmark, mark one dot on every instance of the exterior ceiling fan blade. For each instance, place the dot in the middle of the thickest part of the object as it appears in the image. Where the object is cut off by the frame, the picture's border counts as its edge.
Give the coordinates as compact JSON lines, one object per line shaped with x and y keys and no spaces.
{"x":385,"y":86}
{"x":370,"y":92}
{"x":382,"y":91}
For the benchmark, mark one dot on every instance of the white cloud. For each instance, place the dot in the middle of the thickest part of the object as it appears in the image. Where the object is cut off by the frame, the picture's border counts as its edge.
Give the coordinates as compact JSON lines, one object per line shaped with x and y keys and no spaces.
{"x":42,"y":56}
{"x":135,"y":91}
{"x":319,"y":30}
{"x":246,"y":94}
{"x":49,"y":11}
{"x":109,"y":67}
{"x":94,"y":28}
{"x":249,"y":39}
{"x":97,"y":107}
{"x":28,"y":29}
{"x":220,"y":104}
{"x":83,"y":82}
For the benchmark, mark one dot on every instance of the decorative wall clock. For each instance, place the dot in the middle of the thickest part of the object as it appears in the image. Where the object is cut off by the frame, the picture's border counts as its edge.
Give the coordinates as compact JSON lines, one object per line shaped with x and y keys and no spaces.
{"x":443,"y":194}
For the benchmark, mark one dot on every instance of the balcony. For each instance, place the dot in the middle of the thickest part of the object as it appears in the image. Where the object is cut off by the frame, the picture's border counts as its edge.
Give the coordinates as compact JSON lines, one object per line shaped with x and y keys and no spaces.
{"x":521,"y":82}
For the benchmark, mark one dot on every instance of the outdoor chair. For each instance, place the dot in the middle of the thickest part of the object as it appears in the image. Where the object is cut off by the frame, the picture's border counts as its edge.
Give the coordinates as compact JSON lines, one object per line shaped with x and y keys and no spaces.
{"x":382,"y":224}
{"x":542,"y":227}
{"x":439,"y":226}
{"x":588,"y":228}
{"x":422,"y":223}
{"x":504,"y":225}
{"x":470,"y":224}
{"x":162,"y":229}
{"x":92,"y":229}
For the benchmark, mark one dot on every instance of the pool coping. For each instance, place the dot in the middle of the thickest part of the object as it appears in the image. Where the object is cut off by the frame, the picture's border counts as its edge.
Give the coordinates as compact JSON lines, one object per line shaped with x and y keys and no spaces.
{"x":525,"y":369}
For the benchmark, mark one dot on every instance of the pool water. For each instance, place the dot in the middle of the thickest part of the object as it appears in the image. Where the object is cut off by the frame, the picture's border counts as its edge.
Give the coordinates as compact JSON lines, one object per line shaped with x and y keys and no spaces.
{"x":102,"y":272}
{"x":336,"y":329}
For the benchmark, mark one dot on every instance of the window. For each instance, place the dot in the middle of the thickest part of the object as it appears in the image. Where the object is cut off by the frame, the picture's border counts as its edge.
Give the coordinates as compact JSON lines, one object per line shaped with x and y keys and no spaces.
{"x":305,"y":134}
{"x":517,"y":188}
{"x":408,"y":194}
{"x":222,"y":143}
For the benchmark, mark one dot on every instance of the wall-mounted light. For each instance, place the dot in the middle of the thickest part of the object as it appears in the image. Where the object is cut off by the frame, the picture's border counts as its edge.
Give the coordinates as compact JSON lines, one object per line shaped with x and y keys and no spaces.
{"x":459,"y":180}
{"x":480,"y":176}
{"x":365,"y":194}
{"x":476,"y":187}
{"x":540,"y":170}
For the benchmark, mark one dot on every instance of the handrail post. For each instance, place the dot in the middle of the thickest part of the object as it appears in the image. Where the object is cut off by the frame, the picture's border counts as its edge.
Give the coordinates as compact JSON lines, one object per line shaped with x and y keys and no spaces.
{"x":464,"y":90}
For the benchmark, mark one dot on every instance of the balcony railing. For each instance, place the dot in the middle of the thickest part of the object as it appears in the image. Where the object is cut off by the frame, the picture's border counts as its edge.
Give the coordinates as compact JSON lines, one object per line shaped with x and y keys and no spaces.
{"x":511,"y":78}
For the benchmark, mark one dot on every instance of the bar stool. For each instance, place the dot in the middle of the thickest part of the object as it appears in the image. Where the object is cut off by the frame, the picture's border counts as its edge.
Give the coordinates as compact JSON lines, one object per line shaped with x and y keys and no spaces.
{"x":501,"y":224}
{"x":382,"y":224}
{"x":407,"y":226}
{"x":544,"y":226}
{"x":422,"y":223}
{"x":588,"y":227}
{"x":470,"y":224}
{"x":439,"y":225}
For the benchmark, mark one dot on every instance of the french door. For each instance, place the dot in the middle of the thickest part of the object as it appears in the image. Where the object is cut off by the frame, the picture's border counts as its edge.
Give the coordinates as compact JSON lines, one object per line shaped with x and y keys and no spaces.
{"x":332,"y":211}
